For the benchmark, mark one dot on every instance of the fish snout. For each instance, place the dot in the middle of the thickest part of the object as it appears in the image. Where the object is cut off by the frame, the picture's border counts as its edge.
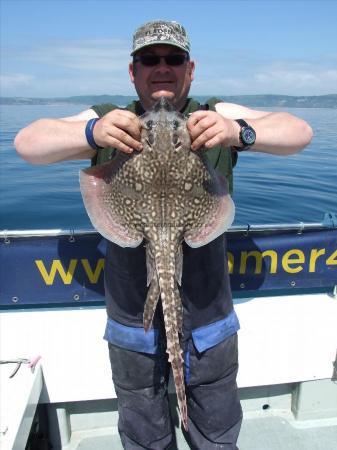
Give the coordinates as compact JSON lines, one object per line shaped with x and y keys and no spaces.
{"x":163,"y":104}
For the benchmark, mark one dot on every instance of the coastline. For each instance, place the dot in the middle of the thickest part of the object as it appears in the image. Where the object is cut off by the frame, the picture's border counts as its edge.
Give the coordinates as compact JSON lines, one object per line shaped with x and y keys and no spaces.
{"x":270,"y":100}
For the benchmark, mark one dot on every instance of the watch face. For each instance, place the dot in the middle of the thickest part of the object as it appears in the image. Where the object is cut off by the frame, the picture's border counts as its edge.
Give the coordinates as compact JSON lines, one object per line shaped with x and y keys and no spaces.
{"x":248,"y":136}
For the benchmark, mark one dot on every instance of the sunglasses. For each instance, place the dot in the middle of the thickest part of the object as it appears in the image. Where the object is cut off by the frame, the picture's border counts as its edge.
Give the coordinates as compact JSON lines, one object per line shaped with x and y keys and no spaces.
{"x":151,"y":60}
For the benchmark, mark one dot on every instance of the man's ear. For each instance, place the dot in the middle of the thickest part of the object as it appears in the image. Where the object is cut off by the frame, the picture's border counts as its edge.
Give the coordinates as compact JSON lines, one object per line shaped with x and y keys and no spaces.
{"x":192,"y":69}
{"x":131,"y":72}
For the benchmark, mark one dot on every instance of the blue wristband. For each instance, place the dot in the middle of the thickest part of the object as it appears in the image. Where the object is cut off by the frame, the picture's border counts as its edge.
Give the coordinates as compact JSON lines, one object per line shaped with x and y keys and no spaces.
{"x":89,"y":134}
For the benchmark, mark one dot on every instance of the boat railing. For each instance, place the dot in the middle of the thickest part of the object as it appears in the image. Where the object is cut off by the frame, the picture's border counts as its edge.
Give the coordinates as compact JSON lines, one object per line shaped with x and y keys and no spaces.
{"x":66,"y":267}
{"x":329,"y":222}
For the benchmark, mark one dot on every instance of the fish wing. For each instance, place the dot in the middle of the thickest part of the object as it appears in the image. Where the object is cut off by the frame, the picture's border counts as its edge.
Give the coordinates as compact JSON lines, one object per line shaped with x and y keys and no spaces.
{"x":108,"y":202}
{"x":210,"y":209}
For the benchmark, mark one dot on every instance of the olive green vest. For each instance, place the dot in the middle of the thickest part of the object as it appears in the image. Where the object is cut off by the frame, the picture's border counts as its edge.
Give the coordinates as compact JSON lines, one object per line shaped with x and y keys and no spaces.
{"x":221,"y":157}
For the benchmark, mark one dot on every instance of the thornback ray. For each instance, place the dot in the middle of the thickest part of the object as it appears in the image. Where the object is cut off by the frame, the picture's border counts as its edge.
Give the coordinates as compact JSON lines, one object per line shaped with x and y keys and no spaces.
{"x":163,"y":195}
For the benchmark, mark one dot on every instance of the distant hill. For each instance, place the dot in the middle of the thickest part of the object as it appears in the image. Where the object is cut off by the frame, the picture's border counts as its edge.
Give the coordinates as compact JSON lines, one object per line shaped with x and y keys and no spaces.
{"x":317,"y":101}
{"x":76,"y":100}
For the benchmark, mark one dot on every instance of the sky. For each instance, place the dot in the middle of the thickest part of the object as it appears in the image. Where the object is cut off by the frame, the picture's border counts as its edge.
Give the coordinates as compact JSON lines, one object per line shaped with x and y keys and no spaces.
{"x":57,"y":48}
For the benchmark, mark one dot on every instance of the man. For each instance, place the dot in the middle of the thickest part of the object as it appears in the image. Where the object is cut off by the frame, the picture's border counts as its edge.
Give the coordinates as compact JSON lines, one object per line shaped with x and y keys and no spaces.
{"x":161,"y":66}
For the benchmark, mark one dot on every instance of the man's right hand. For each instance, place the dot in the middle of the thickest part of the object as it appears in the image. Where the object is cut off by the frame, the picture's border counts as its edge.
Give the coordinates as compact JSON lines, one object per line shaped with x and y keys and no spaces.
{"x":119,"y":129}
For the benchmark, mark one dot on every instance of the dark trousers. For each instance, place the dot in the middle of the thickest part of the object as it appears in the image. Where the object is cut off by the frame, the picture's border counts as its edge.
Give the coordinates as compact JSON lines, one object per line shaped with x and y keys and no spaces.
{"x":214,"y":410}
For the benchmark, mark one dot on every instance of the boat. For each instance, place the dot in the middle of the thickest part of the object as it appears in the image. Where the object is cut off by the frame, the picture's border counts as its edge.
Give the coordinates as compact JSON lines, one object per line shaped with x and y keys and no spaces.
{"x":56,"y":387}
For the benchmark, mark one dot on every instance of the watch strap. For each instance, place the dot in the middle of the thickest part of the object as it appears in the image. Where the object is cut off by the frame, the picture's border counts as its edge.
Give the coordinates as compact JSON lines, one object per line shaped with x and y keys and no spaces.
{"x":242,"y":123}
{"x":244,"y":147}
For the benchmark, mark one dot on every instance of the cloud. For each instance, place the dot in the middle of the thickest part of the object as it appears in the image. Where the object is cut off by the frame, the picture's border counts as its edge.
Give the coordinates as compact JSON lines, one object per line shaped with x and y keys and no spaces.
{"x":298,"y":76}
{"x":63,"y":86}
{"x":99,"y":66}
{"x":72,"y":67}
{"x":89,"y":55}
{"x":15,"y":80}
{"x":264,"y":75}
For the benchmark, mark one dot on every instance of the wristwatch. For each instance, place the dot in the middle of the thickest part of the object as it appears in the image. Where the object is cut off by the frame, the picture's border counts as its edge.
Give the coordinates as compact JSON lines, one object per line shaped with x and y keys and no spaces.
{"x":247,"y":136}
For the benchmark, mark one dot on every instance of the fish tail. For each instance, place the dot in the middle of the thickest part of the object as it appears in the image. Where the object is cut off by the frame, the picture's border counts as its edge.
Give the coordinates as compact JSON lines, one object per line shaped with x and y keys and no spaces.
{"x":151,"y":303}
{"x":178,"y":376}
{"x":165,"y":267}
{"x":178,"y":309}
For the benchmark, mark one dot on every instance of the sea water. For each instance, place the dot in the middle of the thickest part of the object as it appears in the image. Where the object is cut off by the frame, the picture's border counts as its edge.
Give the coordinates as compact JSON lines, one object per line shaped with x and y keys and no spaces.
{"x":267,"y":188}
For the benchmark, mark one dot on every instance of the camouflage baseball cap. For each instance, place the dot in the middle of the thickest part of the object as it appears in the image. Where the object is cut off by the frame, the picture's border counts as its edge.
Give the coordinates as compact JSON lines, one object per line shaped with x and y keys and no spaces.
{"x":160,"y":32}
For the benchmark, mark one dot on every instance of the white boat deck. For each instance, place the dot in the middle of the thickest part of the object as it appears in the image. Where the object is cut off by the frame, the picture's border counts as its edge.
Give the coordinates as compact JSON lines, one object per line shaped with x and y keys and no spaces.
{"x":269,"y":423}
{"x":270,"y":432}
{"x":288,"y":397}
{"x":19,"y":397}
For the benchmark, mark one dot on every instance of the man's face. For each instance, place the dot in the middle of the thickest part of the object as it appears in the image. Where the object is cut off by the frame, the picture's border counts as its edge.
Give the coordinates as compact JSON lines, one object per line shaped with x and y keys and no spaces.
{"x":161,"y":80}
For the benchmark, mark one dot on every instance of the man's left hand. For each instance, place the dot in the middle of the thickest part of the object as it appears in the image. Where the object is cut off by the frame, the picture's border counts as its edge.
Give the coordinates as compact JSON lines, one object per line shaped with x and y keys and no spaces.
{"x":209,"y":129}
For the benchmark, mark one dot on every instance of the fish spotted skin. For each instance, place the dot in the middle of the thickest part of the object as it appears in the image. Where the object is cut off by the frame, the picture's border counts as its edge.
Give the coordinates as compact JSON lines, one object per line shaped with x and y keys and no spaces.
{"x":165,"y":194}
